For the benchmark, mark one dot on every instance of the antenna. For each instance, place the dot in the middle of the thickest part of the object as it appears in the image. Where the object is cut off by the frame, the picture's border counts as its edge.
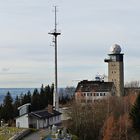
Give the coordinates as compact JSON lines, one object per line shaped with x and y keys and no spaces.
{"x":55,"y":34}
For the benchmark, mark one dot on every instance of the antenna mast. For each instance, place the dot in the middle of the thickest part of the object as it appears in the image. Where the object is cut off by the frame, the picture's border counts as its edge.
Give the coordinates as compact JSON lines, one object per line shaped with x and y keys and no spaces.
{"x":55,"y":33}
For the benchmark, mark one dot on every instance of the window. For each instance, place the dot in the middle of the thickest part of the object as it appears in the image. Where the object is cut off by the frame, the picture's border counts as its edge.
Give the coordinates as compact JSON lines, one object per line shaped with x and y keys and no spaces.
{"x":104,"y":94}
{"x":87,"y":94}
{"x":84,"y":94}
{"x":100,"y":94}
{"x":97,"y":94}
{"x":90,"y":94}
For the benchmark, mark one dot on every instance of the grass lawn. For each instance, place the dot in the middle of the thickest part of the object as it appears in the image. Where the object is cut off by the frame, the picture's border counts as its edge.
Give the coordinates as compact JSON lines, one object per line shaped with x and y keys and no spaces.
{"x":7,"y":132}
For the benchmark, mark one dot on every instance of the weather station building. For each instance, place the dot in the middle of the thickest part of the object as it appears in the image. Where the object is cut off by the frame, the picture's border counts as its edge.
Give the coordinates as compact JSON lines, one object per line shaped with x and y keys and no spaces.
{"x":91,"y":91}
{"x":116,"y":68}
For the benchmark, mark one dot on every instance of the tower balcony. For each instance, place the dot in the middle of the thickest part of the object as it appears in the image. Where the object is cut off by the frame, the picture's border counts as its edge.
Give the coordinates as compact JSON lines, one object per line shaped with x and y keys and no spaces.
{"x":107,"y":60}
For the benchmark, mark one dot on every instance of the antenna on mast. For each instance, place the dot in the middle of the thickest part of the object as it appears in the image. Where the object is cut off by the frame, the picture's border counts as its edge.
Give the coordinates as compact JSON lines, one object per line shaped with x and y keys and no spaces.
{"x":55,"y":33}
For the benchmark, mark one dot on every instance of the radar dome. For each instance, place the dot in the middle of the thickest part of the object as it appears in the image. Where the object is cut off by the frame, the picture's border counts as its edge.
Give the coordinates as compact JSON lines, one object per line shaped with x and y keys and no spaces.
{"x":115,"y":49}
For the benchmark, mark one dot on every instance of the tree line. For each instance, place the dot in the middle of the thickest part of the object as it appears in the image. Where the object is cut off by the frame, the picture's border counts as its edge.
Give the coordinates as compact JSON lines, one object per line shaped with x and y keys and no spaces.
{"x":39,"y":99}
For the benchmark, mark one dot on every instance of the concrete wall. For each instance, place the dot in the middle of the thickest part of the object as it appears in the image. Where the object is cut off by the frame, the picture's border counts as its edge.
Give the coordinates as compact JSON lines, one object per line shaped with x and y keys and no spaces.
{"x":22,"y":121}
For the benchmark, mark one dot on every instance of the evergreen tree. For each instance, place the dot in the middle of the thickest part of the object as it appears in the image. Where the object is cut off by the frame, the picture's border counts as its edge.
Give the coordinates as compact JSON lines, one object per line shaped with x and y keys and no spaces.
{"x":135,"y":114}
{"x":2,"y":113}
{"x":16,"y":105}
{"x":47,"y":95}
{"x":35,"y":101}
{"x":51,"y":94}
{"x":21,"y":99}
{"x":26,"y":98}
{"x":43,"y":100}
{"x":8,"y":107}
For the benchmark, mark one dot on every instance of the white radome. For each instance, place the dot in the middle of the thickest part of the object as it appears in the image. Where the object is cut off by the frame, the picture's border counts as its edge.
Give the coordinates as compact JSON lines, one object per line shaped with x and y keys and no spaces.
{"x":115,"y":49}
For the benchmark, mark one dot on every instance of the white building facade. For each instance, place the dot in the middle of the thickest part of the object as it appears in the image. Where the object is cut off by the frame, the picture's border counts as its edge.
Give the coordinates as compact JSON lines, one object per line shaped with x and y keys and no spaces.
{"x":38,"y":119}
{"x":90,"y":91}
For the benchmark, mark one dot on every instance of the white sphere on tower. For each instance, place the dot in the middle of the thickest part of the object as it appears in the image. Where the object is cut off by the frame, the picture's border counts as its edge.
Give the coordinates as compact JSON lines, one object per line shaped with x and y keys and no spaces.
{"x":115,"y":49}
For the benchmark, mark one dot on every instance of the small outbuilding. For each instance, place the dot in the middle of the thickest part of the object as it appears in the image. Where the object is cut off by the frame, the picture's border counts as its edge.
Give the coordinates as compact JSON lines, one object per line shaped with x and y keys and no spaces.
{"x":37,"y":119}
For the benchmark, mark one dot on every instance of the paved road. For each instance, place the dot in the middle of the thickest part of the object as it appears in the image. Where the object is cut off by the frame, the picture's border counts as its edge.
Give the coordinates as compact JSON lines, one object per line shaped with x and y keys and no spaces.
{"x":36,"y":135}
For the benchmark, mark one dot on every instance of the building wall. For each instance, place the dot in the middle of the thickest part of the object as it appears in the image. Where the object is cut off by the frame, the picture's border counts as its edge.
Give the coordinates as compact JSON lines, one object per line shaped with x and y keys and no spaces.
{"x":55,"y":120}
{"x":25,"y":122}
{"x":38,"y":123}
{"x":116,"y":75}
{"x":43,"y":123}
{"x":90,"y":97}
{"x":22,"y":121}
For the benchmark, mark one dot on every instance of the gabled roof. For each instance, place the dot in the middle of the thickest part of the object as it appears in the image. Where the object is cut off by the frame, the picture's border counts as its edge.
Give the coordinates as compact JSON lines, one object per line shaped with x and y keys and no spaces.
{"x":94,"y":86}
{"x":42,"y":114}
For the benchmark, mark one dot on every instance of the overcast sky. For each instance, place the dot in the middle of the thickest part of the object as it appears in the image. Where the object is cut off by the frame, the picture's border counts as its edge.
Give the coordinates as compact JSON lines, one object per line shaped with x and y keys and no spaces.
{"x":88,"y":27}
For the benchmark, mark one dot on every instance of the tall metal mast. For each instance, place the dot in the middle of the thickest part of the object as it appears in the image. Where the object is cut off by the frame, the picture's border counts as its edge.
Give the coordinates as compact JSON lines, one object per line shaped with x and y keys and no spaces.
{"x":55,"y":33}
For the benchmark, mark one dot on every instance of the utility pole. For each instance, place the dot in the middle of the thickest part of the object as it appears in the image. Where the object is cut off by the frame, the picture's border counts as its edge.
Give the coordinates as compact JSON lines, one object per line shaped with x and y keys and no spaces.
{"x":55,"y":33}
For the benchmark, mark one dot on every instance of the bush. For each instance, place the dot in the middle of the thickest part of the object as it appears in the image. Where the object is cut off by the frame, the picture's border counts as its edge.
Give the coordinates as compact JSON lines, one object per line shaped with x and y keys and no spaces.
{"x":74,"y":137}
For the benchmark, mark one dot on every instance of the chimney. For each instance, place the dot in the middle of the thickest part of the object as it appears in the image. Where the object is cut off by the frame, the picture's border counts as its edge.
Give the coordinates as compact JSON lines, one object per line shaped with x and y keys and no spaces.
{"x":50,"y":109}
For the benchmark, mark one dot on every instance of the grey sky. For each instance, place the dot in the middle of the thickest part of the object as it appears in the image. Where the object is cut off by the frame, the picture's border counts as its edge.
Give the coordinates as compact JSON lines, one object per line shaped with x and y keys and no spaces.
{"x":89,"y":28}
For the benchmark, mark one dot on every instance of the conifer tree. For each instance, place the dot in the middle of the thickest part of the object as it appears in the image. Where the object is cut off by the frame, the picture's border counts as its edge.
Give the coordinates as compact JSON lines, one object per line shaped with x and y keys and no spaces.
{"x":35,"y":101}
{"x":16,"y":105}
{"x":135,"y":114}
{"x":2,"y":112}
{"x":28,"y":99}
{"x":8,"y":107}
{"x":51,"y":94}
{"x":47,"y":95}
{"x":43,"y":103}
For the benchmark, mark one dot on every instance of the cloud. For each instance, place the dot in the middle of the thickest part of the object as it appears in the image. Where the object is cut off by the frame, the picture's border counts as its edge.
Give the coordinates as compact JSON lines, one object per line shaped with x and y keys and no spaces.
{"x":5,"y":69}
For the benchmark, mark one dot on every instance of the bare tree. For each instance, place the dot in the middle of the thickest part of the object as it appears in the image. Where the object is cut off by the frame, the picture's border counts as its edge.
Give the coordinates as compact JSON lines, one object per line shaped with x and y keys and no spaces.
{"x":133,"y":84}
{"x":87,"y":120}
{"x":132,"y":87}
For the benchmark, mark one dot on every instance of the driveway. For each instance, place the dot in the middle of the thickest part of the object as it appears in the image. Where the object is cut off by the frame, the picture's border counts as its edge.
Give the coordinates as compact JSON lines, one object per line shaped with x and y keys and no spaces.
{"x":37,"y":135}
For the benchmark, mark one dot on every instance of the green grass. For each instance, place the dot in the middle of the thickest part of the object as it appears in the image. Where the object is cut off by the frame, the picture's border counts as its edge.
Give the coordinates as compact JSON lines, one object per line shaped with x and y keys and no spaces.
{"x":8,"y":132}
